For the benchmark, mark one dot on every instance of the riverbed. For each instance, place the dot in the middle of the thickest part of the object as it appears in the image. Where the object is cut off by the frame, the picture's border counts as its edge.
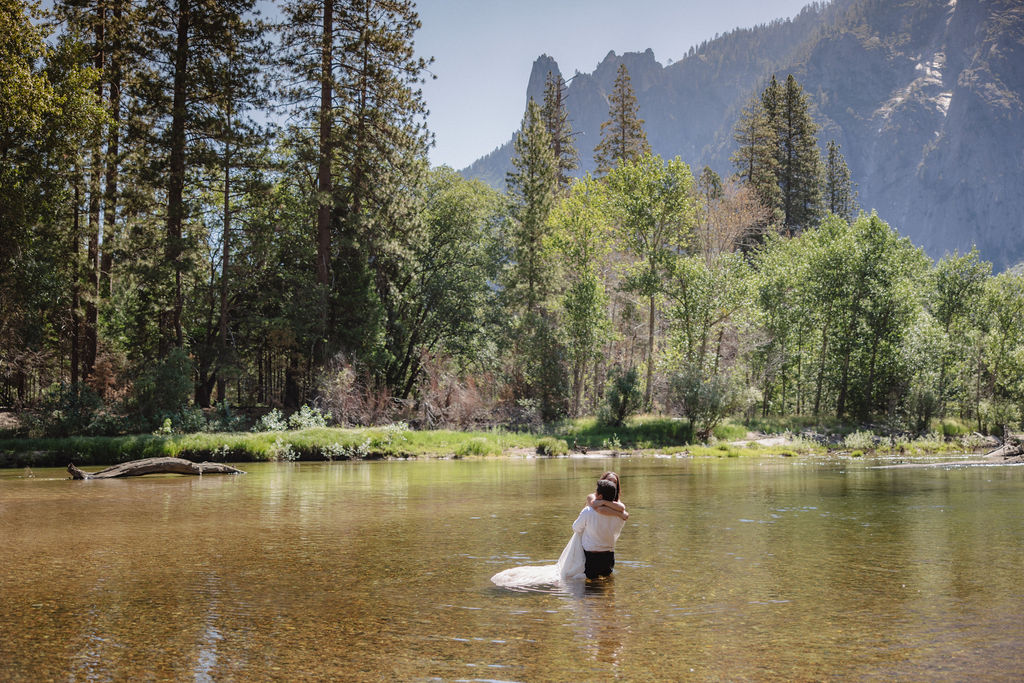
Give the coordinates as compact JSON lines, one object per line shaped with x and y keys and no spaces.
{"x":728,"y":568}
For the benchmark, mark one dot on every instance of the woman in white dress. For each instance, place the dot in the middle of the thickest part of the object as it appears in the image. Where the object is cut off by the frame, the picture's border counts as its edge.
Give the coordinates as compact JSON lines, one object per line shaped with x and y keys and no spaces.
{"x":572,"y":561}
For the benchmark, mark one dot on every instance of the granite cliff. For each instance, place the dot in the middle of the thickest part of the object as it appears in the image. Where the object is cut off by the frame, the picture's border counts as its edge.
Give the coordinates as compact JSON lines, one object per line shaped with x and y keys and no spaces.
{"x":926,"y":98}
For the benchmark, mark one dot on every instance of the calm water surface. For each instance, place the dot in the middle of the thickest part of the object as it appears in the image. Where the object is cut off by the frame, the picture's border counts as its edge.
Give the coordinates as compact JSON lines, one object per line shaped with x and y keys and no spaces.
{"x":738,"y":569}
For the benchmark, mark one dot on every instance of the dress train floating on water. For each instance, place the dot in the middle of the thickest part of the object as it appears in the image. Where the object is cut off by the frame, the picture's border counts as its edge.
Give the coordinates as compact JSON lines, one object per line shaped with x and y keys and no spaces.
{"x":570,"y":565}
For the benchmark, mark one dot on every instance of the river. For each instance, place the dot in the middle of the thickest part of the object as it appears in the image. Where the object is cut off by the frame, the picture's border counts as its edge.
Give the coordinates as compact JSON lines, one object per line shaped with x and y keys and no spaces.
{"x":728,"y":568}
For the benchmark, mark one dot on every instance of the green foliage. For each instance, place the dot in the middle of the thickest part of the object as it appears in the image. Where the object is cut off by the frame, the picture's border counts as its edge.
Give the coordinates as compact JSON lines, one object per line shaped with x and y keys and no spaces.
{"x":65,"y":411}
{"x":559,"y":127}
{"x":860,"y":440}
{"x":729,"y":431}
{"x":622,"y":136}
{"x":531,"y":195}
{"x":582,"y":237}
{"x":622,"y":397}
{"x":797,"y":160}
{"x":546,"y":370}
{"x":273,"y":421}
{"x":306,"y":417}
{"x":704,"y":400}
{"x":163,"y":389}
{"x":477,"y":446}
{"x":652,"y":201}
{"x":839,"y":198}
{"x":551,"y":446}
{"x":999,"y":414}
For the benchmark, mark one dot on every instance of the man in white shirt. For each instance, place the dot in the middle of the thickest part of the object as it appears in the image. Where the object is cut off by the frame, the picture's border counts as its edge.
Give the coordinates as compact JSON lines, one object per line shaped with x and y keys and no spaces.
{"x":599,"y":533}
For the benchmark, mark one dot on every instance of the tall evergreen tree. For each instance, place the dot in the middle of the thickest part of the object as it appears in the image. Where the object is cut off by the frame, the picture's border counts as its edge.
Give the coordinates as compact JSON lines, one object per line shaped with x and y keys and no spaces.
{"x":622,"y":136}
{"x":382,"y":148}
{"x":231,"y":157}
{"x":798,"y":162}
{"x":556,"y":120}
{"x":531,"y":192}
{"x":754,"y":158}
{"x":840,"y":197}
{"x":538,"y":367}
{"x":357,"y":78}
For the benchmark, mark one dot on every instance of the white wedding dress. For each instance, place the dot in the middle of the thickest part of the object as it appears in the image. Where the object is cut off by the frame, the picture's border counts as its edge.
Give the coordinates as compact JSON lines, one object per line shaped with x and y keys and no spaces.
{"x":570,"y":566}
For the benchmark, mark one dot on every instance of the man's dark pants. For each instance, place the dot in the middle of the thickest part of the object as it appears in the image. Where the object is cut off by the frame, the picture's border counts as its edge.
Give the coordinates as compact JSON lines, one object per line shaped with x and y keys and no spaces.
{"x":598,"y":564}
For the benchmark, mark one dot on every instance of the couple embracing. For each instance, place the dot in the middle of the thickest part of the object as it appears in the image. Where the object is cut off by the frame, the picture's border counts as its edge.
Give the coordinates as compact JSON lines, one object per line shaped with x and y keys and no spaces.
{"x":591,"y":550}
{"x":599,"y":525}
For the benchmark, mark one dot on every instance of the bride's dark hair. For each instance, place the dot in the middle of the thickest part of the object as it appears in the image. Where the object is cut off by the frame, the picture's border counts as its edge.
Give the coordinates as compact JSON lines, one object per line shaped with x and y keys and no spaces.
{"x":614,"y":478}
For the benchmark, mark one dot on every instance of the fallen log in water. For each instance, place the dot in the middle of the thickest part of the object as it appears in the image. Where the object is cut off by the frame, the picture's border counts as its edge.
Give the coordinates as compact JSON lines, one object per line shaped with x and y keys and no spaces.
{"x":137,"y":468}
{"x":1007,"y":450}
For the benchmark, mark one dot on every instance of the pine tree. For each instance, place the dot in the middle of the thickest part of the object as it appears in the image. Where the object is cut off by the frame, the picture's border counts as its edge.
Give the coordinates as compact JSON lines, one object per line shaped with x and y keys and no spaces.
{"x":797,"y":156}
{"x":531,"y":190}
{"x":840,"y":197}
{"x":358,"y":78}
{"x":230,"y":159}
{"x":538,"y":362}
{"x":754,"y":158}
{"x":556,"y":120}
{"x":622,"y":136}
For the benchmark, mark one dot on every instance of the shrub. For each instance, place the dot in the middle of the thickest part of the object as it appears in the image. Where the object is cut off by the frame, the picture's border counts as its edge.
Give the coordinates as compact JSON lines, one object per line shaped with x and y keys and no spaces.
{"x":164,"y":388}
{"x":549,"y":445}
{"x":703,"y":400}
{"x":478,"y":445}
{"x":66,"y":411}
{"x":995,"y":415}
{"x":187,"y":421}
{"x":730,"y":432}
{"x":223,"y":420}
{"x":282,"y":451}
{"x":622,"y":398}
{"x":860,"y":440}
{"x":445,"y":400}
{"x":271,"y":422}
{"x":307,"y":417}
{"x":351,"y":397}
{"x":612,"y":443}
{"x":954,"y":428}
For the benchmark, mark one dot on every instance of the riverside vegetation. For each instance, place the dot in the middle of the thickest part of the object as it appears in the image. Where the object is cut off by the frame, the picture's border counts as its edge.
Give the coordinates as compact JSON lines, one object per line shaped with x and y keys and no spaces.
{"x":273,"y":440}
{"x":170,"y":265}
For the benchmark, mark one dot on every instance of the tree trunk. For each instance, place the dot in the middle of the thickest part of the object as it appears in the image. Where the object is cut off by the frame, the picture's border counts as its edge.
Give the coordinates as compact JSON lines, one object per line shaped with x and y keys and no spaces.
{"x":95,"y":192}
{"x":76,"y":297}
{"x":844,"y":381}
{"x":649,"y":391}
{"x":325,"y":188}
{"x":176,"y":170}
{"x":821,"y":370}
{"x":222,"y":340}
{"x":113,"y":160}
{"x":137,"y":468}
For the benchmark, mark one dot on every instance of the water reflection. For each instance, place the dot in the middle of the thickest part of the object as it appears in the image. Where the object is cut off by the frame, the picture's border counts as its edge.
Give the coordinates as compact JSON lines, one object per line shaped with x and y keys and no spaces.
{"x":369,"y":571}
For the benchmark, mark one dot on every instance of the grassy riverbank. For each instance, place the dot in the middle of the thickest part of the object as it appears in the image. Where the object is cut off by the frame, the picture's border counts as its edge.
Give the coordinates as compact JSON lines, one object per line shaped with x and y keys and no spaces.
{"x":642,"y":435}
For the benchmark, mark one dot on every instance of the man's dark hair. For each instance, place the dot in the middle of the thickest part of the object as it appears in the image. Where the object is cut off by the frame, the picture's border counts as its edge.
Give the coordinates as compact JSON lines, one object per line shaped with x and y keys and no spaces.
{"x":606,"y":489}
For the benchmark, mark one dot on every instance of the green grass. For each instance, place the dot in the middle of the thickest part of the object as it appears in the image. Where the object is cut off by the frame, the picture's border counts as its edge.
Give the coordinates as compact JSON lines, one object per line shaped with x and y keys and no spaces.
{"x":549,"y":445}
{"x":308,"y":444}
{"x":643,"y":433}
{"x":638,"y":433}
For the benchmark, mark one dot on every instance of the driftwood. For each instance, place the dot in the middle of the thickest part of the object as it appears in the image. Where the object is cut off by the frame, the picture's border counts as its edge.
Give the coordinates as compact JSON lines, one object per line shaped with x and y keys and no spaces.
{"x":1013,"y":446}
{"x":137,"y":468}
{"x":1007,"y":450}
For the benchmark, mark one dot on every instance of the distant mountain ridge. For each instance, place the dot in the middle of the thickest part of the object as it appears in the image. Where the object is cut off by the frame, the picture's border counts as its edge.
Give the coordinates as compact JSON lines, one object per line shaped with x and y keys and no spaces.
{"x":926,"y":98}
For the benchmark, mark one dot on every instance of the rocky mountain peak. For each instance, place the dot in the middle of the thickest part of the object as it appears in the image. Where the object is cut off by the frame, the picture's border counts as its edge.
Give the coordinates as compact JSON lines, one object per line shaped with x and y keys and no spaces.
{"x":926,"y":98}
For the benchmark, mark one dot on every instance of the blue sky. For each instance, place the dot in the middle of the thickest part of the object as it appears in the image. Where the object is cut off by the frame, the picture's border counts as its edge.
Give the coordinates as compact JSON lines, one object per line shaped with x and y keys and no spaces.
{"x":484,"y":50}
